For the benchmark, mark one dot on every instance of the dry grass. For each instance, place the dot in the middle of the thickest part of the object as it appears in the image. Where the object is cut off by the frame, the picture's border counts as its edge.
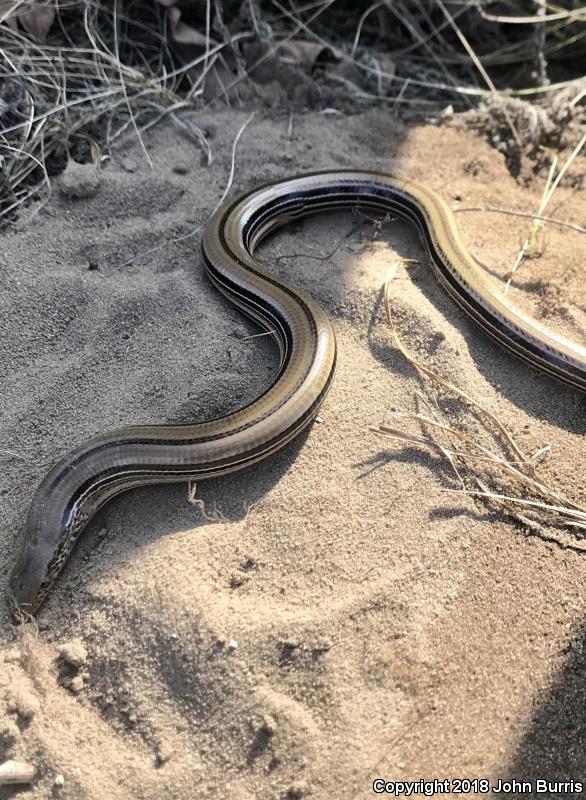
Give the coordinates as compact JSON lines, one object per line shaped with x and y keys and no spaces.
{"x":501,"y":474}
{"x":110,"y":70}
{"x":78,"y":98}
{"x":530,"y":247}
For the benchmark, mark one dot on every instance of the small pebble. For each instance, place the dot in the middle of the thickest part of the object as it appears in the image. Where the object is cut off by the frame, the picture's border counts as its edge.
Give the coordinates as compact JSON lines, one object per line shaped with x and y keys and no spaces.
{"x":59,"y":780}
{"x":79,"y":181}
{"x":128,"y":165}
{"x":298,"y":790}
{"x":76,"y":684}
{"x":232,"y":645}
{"x":238,"y":579}
{"x":74,"y":653}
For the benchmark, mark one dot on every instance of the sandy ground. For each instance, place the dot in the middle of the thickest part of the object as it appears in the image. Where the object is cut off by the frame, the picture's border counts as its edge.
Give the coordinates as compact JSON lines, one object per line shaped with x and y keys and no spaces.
{"x":345,"y":618}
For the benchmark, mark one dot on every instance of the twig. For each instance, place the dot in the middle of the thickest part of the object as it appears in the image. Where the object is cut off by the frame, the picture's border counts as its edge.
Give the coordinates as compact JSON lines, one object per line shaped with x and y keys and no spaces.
{"x":526,"y":214}
{"x":576,"y":15}
{"x":480,"y":68}
{"x":123,"y":84}
{"x":361,"y":21}
{"x":14,"y":455}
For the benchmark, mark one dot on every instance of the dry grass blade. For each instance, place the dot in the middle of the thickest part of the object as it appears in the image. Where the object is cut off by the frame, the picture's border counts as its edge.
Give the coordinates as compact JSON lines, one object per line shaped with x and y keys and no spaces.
{"x":478,"y":63}
{"x":575,"y":518}
{"x":527,"y":214}
{"x":548,"y":192}
{"x":529,"y":246}
{"x":576,"y":15}
{"x":515,"y":481}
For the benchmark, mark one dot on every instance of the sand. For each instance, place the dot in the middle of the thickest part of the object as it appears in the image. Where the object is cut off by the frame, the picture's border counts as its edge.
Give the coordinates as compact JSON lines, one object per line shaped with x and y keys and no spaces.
{"x":341,"y":617}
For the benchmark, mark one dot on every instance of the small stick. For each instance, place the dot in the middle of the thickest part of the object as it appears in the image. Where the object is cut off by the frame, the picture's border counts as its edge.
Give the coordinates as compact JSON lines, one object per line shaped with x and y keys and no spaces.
{"x":12,"y":772}
{"x":480,"y":68}
{"x":526,"y":214}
